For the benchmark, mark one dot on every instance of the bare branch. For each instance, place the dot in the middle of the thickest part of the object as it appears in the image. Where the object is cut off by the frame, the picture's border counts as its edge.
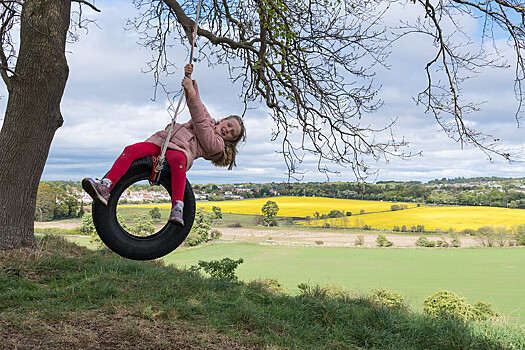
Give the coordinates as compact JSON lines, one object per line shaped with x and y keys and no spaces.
{"x":313,"y":64}
{"x":83,"y":2}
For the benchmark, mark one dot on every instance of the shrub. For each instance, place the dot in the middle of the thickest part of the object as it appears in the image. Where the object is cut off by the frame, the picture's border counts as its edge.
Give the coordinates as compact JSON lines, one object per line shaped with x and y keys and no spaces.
{"x":387,"y":297}
{"x":258,"y":220}
{"x":319,"y":242}
{"x":269,"y":286}
{"x":87,"y":227}
{"x":215,"y":234}
{"x":235,"y":224}
{"x":404,"y":228}
{"x":224,"y":268}
{"x":348,"y":213}
{"x":448,"y":304}
{"x":442,"y":243}
{"x":360,"y":240}
{"x":396,"y":229}
{"x":484,"y":311}
{"x":382,"y":241}
{"x":520,"y":234}
{"x":425,"y":242}
{"x":468,"y":231}
{"x":367,"y":227}
{"x":333,"y":291}
{"x":335,"y":214}
{"x":142,"y":227}
{"x":217,"y":211}
{"x":362,"y":211}
{"x":455,"y":241}
{"x":329,"y":291}
{"x":155,"y":214}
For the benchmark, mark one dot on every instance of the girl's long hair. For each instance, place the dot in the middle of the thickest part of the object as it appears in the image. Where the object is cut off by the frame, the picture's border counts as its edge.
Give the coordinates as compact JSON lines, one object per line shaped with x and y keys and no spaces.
{"x":230,"y":147}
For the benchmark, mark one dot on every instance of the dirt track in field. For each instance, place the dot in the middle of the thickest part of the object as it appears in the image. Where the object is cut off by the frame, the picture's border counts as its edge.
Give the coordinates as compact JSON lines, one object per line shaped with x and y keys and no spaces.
{"x":298,"y":237}
{"x":332,"y":238}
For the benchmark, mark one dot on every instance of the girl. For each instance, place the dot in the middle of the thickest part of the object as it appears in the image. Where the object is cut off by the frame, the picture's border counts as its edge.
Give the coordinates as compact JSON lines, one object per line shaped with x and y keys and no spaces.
{"x":200,"y":137}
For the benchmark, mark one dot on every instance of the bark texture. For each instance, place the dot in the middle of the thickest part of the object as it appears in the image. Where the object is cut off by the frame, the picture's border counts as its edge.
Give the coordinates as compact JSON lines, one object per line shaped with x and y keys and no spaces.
{"x":32,"y":115}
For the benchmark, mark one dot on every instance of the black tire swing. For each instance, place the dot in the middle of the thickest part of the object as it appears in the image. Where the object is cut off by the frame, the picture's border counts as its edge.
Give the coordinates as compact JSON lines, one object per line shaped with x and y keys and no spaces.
{"x":170,"y":236}
{"x":128,"y":244}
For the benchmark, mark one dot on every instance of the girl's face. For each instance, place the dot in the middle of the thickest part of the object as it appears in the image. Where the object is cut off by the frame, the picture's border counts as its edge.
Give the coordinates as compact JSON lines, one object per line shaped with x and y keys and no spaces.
{"x":228,"y":129}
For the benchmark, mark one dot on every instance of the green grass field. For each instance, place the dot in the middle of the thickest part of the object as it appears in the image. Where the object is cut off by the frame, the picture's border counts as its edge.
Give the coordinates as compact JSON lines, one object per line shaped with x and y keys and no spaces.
{"x":495,"y":275}
{"x":62,"y":296}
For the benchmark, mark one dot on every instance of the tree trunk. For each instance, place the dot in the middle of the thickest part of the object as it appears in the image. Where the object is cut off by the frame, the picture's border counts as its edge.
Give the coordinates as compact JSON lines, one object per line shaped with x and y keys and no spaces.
{"x":32,"y":116}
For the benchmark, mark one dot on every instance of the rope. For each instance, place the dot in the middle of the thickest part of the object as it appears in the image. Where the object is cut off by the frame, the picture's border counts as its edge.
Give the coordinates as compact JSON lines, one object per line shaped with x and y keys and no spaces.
{"x":161,"y":159}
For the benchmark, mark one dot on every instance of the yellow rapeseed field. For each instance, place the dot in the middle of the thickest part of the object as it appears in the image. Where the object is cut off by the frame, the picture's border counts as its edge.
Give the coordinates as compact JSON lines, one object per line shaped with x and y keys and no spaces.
{"x":378,"y":214}
{"x":432,"y":218}
{"x":291,"y":206}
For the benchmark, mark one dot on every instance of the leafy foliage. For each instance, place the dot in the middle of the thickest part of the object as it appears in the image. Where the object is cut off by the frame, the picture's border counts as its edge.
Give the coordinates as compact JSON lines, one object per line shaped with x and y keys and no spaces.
{"x":54,"y":202}
{"x":224,"y":268}
{"x":142,"y":226}
{"x":155,"y":214}
{"x":382,"y":241}
{"x":201,"y":228}
{"x":269,"y":211}
{"x":423,"y":241}
{"x":328,"y":291}
{"x":387,"y":297}
{"x":360,"y":240}
{"x":218,"y":212}
{"x":449,"y":304}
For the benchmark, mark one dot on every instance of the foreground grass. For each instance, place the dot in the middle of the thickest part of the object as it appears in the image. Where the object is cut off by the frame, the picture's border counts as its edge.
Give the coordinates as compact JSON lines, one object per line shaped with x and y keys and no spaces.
{"x":67,"y":296}
{"x":495,"y":275}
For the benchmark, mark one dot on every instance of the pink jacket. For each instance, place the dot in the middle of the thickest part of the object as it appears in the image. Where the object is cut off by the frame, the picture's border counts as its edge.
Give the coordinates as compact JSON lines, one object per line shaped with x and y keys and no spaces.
{"x":196,"y":138}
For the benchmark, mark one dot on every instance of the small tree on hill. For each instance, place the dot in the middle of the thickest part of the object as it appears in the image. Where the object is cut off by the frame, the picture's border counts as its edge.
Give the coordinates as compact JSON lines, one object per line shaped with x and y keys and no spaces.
{"x":155,"y":214}
{"x":218,"y":212}
{"x":269,"y":211}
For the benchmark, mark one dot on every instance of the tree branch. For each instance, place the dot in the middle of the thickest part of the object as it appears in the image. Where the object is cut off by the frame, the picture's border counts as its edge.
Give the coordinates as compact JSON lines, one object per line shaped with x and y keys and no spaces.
{"x":83,"y":2}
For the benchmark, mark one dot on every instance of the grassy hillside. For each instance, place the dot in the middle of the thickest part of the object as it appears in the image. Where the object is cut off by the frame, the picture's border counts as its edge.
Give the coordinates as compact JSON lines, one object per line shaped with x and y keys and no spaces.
{"x":495,"y":275}
{"x":65,"y":296}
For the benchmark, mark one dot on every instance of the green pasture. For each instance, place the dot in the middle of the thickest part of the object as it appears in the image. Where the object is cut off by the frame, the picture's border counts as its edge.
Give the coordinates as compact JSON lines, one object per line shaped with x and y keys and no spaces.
{"x":495,"y":275}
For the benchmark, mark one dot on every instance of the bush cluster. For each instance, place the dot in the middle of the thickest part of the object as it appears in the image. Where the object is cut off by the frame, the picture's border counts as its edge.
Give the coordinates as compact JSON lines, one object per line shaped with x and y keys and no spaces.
{"x":388,"y":298}
{"x":448,"y":304}
{"x":425,"y":242}
{"x":395,"y":207}
{"x":329,"y":291}
{"x":269,"y":286}
{"x":224,"y":268}
{"x":382,"y":241}
{"x":200,"y":231}
{"x":360,"y":240}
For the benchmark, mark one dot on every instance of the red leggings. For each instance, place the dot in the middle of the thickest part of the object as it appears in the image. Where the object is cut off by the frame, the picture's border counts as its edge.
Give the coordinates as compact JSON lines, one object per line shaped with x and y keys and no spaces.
{"x":176,"y":161}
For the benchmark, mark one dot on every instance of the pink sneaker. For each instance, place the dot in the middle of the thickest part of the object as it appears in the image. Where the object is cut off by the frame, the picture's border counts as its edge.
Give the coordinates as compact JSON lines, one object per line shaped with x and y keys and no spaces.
{"x":176,"y":214}
{"x":97,"y":190}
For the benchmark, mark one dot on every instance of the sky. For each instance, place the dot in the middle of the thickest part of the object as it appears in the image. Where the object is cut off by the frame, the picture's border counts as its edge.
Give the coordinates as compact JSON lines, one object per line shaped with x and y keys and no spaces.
{"x":108,"y":104}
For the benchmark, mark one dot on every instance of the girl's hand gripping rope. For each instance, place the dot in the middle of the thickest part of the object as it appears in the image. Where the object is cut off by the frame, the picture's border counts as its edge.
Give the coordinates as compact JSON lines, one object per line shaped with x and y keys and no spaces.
{"x":187,"y":83}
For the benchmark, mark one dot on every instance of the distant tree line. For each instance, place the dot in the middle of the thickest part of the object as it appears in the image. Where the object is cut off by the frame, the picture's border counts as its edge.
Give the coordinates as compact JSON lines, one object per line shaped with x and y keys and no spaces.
{"x":56,"y":201}
{"x":504,"y":195}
